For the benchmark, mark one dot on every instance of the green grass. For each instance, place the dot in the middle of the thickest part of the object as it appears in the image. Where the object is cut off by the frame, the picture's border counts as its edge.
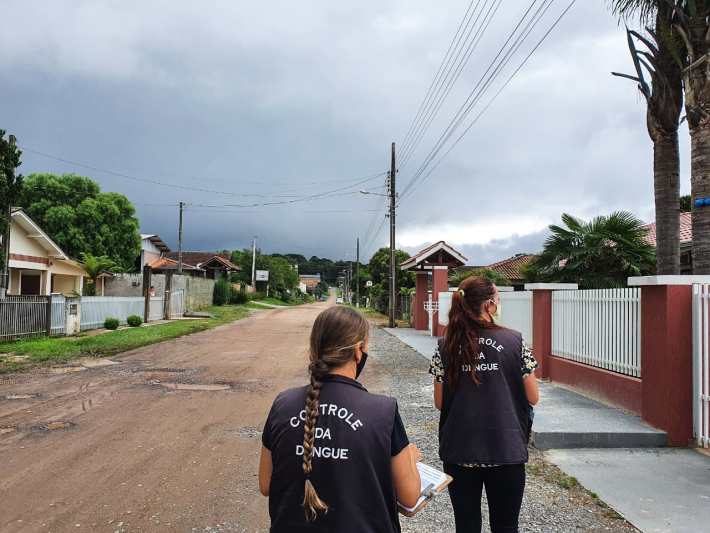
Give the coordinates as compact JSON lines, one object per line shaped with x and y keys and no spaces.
{"x":256,"y":305}
{"x":44,"y":350}
{"x":277,"y":301}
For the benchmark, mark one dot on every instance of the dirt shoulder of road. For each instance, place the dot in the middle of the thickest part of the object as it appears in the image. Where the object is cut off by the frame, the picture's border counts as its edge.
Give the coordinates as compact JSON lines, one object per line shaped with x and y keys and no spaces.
{"x":36,"y":353}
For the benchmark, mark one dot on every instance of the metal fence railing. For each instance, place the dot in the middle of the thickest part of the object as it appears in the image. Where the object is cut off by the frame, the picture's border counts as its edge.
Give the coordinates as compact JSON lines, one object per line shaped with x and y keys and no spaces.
{"x":157,"y":310}
{"x":96,"y":309}
{"x":22,"y":316}
{"x":701,"y":370}
{"x":600,"y":328}
{"x":177,"y":304}
{"x":517,"y":313}
{"x":59,"y":322}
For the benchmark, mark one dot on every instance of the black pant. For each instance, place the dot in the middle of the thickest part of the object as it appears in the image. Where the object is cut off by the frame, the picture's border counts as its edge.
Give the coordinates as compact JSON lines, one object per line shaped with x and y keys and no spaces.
{"x":504,"y":488}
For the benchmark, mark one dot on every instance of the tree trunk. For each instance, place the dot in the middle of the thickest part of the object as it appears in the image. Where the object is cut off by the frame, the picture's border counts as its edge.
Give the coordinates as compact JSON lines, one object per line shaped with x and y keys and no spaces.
{"x":700,"y":188}
{"x":666,"y":184}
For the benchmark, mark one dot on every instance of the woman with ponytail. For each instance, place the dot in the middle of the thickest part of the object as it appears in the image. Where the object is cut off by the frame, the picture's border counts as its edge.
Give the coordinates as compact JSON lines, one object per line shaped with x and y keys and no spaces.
{"x":484,"y":386}
{"x":334,"y":457}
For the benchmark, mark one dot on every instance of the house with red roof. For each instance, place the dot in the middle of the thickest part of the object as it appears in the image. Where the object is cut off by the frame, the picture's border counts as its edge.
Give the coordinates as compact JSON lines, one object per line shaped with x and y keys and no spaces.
{"x":686,"y":242}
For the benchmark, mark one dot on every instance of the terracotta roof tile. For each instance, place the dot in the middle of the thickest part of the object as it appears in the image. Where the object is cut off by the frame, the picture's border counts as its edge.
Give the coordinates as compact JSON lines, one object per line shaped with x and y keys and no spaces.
{"x":509,"y":267}
{"x":197,"y":258}
{"x":165,"y":263}
{"x":686,"y":230}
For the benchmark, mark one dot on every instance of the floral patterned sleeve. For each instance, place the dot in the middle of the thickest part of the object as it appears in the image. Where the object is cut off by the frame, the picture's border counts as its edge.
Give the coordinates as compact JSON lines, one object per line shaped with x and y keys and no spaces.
{"x":527,"y":362}
{"x":436,"y":368}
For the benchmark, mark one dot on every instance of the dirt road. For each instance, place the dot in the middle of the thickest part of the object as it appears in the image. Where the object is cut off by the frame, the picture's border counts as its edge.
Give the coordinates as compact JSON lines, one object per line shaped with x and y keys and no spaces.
{"x":140,"y":455}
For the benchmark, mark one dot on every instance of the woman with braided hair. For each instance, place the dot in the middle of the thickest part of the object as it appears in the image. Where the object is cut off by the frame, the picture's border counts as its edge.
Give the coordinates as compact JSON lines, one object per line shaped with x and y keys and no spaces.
{"x":484,"y":387}
{"x":334,"y":457}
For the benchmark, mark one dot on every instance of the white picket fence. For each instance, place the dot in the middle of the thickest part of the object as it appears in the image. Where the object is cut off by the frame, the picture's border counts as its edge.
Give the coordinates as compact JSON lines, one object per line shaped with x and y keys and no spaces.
{"x":516,"y":312}
{"x":701,"y":356}
{"x":600,"y":328}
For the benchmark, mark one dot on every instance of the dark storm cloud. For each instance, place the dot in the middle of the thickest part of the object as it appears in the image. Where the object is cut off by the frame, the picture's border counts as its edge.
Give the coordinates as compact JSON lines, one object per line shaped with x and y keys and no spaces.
{"x":285,"y":94}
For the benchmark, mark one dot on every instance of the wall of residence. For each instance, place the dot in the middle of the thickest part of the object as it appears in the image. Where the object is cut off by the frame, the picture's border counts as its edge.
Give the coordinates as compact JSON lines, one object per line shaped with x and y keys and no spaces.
{"x":64,"y":284}
{"x":21,"y":244}
{"x":198,"y":291}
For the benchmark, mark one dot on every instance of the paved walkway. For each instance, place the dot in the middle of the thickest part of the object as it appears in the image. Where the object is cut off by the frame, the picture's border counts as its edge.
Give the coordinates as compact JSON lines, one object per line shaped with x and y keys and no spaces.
{"x":658,"y":490}
{"x":421,"y":341}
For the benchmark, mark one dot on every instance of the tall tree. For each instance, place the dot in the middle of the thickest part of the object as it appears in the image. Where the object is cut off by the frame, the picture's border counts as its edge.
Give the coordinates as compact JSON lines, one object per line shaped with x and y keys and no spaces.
{"x":82,"y":219}
{"x":663,"y":61}
{"x":600,"y":254}
{"x":693,"y":25}
{"x":10,"y":190}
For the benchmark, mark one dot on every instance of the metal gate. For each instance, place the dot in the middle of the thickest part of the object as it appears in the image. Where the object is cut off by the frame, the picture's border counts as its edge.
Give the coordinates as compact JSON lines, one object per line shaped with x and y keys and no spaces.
{"x":177,"y":301}
{"x":701,"y":381}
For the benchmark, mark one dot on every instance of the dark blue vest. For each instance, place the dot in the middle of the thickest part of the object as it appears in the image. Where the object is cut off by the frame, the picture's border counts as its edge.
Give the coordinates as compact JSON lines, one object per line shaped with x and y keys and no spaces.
{"x":486,"y":423}
{"x":352,"y":465}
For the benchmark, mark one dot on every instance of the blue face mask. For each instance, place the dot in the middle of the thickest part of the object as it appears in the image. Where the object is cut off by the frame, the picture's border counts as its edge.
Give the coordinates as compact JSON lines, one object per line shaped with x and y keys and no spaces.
{"x":361,"y":364}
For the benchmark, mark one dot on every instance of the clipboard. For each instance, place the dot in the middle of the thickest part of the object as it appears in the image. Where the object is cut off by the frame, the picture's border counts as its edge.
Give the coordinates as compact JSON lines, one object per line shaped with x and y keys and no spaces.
{"x":433,"y":481}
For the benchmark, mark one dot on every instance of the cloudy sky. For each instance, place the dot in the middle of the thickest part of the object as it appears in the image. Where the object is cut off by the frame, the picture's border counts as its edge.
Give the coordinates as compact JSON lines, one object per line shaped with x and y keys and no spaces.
{"x":277,"y":101}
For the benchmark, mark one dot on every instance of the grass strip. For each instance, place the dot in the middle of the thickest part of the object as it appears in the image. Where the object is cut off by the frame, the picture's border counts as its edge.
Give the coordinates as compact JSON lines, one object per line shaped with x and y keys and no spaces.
{"x":46,"y":350}
{"x":278,"y":301}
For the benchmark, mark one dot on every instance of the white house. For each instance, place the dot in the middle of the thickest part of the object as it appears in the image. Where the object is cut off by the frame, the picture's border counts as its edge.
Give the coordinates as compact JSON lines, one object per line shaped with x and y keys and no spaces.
{"x":37,"y":265}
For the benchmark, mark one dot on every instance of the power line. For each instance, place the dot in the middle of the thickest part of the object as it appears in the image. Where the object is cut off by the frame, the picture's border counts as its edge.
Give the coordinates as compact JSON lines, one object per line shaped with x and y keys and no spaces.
{"x":492,"y":99}
{"x":184,"y":187}
{"x":435,"y":106}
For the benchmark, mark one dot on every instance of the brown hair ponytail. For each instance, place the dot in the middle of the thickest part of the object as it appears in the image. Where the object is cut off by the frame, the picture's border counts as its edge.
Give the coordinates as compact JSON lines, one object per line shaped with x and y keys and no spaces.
{"x":335,"y":335}
{"x":465,"y":327}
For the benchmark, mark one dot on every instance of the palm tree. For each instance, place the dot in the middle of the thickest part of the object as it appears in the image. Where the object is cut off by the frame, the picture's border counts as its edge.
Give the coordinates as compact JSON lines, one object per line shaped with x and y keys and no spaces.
{"x":663,"y":61}
{"x":692,"y":22}
{"x":600,"y":254}
{"x":94,"y":267}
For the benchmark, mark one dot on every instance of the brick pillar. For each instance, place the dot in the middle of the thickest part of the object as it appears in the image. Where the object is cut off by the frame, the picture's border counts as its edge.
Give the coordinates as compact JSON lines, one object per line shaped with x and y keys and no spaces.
{"x":542,"y":322}
{"x":667,"y":354}
{"x":421,"y":291}
{"x":439,"y":283}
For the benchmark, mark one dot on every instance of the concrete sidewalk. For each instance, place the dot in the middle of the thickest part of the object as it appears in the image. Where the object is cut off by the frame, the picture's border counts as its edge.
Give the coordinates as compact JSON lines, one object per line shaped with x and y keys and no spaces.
{"x":421,"y":341}
{"x":565,"y":419}
{"x":658,"y":490}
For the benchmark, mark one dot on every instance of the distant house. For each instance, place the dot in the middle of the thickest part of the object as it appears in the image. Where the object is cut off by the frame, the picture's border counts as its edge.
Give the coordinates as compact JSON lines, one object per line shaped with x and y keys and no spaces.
{"x":509,"y":268}
{"x":37,"y":265}
{"x":152,"y":248}
{"x":165,"y":265}
{"x":214,"y":265}
{"x":308,"y":282}
{"x":686,"y":242}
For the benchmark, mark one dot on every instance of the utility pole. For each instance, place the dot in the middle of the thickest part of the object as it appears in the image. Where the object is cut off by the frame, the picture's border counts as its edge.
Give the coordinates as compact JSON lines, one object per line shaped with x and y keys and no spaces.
{"x":182,"y":208}
{"x":393,"y":297}
{"x":253,"y":265}
{"x":357,"y":281}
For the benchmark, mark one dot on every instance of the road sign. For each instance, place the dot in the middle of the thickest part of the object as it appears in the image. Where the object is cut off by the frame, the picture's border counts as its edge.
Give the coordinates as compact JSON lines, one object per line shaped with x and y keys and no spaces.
{"x":262,"y":275}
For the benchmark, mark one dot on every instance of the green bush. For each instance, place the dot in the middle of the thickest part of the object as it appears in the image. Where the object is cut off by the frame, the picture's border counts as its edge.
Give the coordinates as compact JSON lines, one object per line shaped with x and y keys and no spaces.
{"x":134,"y":321}
{"x":220,"y":294}
{"x":238,"y":297}
{"x":257,"y":296}
{"x":111,"y":323}
{"x":286,"y":297}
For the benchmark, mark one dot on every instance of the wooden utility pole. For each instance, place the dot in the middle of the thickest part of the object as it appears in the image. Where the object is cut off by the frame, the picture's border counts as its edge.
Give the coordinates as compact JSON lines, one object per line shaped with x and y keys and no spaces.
{"x":253,"y":265}
{"x":393,"y":296}
{"x":182,"y":207}
{"x":147,"y":276}
{"x":357,"y":281}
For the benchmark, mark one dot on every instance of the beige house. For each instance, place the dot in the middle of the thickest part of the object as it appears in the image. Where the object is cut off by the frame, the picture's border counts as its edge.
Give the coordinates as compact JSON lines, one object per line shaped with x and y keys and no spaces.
{"x":37,"y":265}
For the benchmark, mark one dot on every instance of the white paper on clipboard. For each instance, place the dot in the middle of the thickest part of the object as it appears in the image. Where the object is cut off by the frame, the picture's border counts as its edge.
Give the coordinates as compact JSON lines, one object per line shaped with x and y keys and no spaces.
{"x":428,"y":476}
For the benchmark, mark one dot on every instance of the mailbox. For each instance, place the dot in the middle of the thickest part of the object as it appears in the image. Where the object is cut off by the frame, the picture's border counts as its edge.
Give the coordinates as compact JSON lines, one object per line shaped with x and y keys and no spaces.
{"x":72,"y":309}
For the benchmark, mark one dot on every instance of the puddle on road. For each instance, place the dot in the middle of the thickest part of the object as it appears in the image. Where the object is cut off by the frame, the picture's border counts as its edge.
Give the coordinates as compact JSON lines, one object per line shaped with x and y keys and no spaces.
{"x":20,"y":396}
{"x":95,"y":361}
{"x":6,"y":430}
{"x":66,"y":369}
{"x":55,"y":425}
{"x":190,"y":386}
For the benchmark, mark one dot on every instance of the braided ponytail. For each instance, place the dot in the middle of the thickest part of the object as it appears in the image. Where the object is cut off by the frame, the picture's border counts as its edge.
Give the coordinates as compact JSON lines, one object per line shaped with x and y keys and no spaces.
{"x":311,"y":502}
{"x":335,"y":335}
